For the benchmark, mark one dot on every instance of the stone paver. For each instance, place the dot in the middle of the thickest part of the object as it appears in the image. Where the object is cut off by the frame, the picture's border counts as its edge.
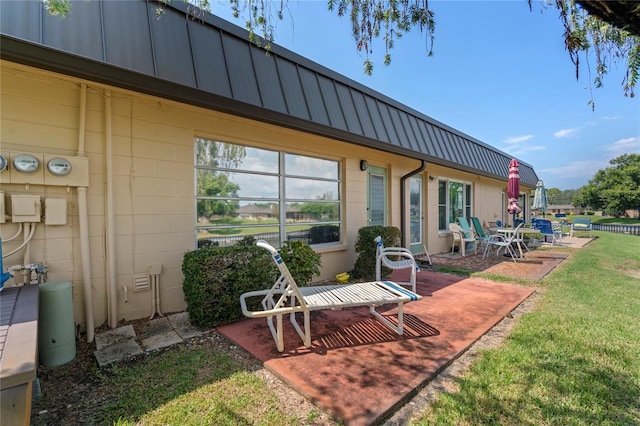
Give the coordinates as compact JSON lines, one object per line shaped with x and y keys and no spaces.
{"x":122,"y":343}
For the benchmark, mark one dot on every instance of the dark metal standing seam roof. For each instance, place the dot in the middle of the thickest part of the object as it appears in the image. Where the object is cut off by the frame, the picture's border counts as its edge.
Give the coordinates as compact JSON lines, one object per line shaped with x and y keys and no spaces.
{"x":208,"y":62}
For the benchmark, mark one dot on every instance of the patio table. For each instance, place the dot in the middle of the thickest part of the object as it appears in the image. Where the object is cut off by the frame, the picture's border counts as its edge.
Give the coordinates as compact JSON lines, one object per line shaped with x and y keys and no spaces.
{"x":507,"y":232}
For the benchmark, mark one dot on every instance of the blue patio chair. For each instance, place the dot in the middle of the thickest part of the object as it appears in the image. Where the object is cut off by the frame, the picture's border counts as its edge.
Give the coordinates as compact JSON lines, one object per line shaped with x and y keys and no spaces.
{"x":467,"y":230}
{"x":481,"y":236}
{"x":546,"y":229}
{"x":581,"y":224}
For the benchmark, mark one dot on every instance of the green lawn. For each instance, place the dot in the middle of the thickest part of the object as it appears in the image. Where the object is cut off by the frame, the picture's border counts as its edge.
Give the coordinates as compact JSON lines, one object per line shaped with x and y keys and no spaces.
{"x":575,"y":360}
{"x":610,"y":220}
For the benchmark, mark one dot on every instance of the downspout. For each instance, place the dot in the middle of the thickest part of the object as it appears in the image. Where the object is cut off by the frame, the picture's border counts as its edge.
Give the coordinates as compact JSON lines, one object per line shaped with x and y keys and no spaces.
{"x":83,"y":220}
{"x":403,"y":197}
{"x":112,"y":290}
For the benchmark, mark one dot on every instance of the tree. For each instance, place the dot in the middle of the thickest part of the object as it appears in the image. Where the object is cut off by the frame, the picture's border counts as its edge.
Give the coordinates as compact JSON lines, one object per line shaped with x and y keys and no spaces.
{"x":614,"y":189}
{"x":591,"y":27}
{"x":552,"y":195}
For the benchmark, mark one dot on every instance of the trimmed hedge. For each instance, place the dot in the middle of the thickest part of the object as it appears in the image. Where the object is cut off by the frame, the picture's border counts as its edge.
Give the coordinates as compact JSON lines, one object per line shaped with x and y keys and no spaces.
{"x":214,"y":279}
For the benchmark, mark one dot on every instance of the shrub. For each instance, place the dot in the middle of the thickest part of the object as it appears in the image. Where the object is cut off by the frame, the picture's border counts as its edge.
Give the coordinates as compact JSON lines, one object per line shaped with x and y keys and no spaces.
{"x":365,"y":266}
{"x":214,"y":279}
{"x":302,"y":261}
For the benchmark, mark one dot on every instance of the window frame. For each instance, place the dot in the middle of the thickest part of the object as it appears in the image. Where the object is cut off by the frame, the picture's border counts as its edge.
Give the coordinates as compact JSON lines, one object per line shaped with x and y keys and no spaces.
{"x":466,"y":190}
{"x":281,"y":201}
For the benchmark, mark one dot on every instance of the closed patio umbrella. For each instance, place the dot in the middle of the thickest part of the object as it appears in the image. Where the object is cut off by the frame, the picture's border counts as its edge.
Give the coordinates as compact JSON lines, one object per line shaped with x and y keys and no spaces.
{"x":540,"y":198}
{"x":513,"y":189}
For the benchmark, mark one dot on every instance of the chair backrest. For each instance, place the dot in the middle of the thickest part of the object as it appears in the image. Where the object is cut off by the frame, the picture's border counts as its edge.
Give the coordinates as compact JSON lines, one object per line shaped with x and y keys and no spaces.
{"x":514,"y":236}
{"x":478,"y":227}
{"x":379,"y":245}
{"x":499,"y":223}
{"x":456,"y":231}
{"x":285,"y":283}
{"x":544,"y":226}
{"x":466,"y":228}
{"x":518,"y":222}
{"x":581,"y":223}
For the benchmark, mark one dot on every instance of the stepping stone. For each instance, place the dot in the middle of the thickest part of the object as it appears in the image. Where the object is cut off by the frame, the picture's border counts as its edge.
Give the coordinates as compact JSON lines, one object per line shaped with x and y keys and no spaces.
{"x":116,"y":345}
{"x":182,"y":325}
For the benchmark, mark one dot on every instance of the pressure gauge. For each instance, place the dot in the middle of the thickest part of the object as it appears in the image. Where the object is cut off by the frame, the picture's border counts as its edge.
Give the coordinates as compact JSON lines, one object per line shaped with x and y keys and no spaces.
{"x":26,"y":163}
{"x":3,"y":165}
{"x":59,"y":166}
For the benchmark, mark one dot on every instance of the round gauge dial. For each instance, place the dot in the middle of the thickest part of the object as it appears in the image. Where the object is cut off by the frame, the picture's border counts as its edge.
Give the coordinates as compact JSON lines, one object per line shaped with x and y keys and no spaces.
{"x":59,"y":166}
{"x":26,"y":163}
{"x":3,"y":163}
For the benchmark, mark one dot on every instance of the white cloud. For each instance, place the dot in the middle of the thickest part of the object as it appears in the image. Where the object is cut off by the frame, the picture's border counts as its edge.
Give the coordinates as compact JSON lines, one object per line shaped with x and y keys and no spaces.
{"x":518,"y":145}
{"x":565,"y":133}
{"x":521,"y":150}
{"x":576,"y":169}
{"x":518,"y":139}
{"x":624,"y":146}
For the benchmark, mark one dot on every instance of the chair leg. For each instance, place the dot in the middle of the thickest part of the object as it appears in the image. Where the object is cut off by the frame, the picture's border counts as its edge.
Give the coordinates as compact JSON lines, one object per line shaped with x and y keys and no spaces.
{"x":487,"y":247}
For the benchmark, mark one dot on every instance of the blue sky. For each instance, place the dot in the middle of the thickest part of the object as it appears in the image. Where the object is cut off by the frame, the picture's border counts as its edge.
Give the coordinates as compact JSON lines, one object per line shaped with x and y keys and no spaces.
{"x":499,"y":73}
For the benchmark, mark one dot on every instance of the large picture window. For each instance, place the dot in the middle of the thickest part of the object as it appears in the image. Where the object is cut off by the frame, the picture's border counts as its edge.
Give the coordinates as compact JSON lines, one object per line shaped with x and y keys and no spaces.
{"x":275,"y":196}
{"x":454,"y":201}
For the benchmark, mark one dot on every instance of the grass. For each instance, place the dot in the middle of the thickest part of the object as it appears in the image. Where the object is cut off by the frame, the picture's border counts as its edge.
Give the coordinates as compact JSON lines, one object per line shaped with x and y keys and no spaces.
{"x":188,"y":387}
{"x":609,"y":219}
{"x":575,"y":360}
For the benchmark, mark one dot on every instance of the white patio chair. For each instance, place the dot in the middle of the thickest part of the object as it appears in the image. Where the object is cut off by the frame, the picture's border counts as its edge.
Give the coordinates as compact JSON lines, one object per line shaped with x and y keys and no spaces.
{"x":395,"y":258}
{"x":461,"y":238}
{"x":501,"y":241}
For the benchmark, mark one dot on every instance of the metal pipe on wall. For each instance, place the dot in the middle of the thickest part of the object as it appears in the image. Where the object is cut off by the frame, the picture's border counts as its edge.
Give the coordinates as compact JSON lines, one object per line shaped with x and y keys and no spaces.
{"x":83,"y":221}
{"x":112,"y":289}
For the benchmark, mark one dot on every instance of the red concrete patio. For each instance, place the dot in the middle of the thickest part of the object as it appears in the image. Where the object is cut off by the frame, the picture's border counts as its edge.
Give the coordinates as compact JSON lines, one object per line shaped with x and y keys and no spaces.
{"x":361,"y":372}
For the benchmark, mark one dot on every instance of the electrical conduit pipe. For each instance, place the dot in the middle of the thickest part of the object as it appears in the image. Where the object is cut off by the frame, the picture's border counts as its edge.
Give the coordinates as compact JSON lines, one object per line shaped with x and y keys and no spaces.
{"x":112,"y":289}
{"x":83,"y":220}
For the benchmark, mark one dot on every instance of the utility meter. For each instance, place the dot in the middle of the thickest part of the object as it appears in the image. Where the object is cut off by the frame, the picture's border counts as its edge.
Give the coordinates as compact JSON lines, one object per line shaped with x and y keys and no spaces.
{"x":3,"y":165}
{"x":26,"y":163}
{"x":59,"y":166}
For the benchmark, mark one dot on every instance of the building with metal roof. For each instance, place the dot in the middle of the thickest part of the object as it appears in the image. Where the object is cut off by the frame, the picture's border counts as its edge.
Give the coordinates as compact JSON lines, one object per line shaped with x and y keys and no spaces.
{"x":173,"y":126}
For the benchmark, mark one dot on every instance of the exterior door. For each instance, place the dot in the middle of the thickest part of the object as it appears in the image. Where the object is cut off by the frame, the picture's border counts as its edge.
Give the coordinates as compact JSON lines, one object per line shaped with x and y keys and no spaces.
{"x":376,"y":196}
{"x":416,"y":214}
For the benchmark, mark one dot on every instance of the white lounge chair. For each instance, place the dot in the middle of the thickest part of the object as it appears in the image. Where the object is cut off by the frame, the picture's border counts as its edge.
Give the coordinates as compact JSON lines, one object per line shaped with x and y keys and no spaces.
{"x":395,"y":258}
{"x":285,"y":297}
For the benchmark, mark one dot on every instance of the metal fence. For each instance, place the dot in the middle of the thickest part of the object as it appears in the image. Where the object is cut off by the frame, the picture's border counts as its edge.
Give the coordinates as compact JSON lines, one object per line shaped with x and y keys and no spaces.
{"x":618,"y":229}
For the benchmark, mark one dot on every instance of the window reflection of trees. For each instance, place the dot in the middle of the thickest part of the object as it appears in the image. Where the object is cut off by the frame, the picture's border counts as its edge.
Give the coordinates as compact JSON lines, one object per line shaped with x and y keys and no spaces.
{"x":238,"y":194}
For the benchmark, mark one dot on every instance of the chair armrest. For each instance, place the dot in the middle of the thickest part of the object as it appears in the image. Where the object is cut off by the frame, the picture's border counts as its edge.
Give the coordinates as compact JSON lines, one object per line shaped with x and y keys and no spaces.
{"x":397,"y":251}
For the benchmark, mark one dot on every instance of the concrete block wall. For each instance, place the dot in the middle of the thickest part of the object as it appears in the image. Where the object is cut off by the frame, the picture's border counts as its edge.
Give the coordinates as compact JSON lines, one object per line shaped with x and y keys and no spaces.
{"x":153,"y":182}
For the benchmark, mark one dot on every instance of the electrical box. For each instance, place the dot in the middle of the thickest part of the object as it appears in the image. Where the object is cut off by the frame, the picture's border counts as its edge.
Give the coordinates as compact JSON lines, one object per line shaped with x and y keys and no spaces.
{"x":25,"y":208}
{"x":2,"y":210}
{"x":55,"y":211}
